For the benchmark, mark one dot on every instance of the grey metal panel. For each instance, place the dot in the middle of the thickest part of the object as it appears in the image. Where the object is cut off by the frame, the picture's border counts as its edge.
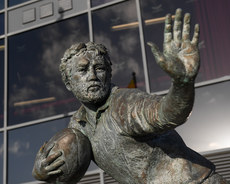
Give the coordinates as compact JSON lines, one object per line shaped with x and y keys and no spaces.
{"x":221,"y":159}
{"x":46,"y":10}
{"x":43,"y":12}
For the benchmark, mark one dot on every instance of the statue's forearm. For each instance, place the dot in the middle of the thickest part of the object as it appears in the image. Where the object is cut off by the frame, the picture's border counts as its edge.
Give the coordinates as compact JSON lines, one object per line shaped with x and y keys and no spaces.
{"x":176,"y":106}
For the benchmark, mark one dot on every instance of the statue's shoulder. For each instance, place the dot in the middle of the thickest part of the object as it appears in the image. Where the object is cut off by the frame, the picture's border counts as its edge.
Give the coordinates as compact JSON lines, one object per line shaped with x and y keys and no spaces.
{"x":77,"y":117}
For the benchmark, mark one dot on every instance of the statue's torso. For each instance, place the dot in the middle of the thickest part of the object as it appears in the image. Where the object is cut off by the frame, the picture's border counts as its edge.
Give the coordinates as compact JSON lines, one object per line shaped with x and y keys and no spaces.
{"x":142,"y":159}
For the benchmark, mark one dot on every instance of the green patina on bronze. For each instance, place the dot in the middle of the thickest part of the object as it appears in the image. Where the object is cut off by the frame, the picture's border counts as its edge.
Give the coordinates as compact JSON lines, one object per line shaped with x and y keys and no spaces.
{"x":130,"y":133}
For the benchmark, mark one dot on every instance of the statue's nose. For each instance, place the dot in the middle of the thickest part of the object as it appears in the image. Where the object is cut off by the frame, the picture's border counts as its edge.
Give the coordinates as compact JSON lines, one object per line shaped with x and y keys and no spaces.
{"x":92,"y":75}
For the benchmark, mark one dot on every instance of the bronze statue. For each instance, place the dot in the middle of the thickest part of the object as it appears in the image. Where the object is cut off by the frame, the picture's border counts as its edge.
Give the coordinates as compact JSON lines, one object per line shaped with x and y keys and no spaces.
{"x":126,"y":132}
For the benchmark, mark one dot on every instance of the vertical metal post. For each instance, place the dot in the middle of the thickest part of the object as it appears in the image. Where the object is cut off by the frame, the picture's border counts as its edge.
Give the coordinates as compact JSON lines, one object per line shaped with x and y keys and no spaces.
{"x":142,"y":41}
{"x":102,"y":177}
{"x":5,"y":95}
{"x":90,"y":22}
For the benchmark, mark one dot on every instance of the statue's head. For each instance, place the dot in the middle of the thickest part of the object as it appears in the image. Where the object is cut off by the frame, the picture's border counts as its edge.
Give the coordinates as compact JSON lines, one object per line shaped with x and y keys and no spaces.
{"x":86,"y":71}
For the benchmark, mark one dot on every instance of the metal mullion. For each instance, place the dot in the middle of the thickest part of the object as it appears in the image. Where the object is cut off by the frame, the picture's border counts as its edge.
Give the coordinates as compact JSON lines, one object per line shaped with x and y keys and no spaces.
{"x":5,"y":141}
{"x":45,"y":23}
{"x":22,"y":4}
{"x":102,"y":180}
{"x":200,"y":84}
{"x":39,"y":121}
{"x":90,"y":22}
{"x":106,"y":4}
{"x":143,"y":50}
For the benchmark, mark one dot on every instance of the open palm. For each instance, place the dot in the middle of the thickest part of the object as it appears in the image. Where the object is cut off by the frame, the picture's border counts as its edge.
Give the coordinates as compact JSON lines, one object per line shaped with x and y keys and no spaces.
{"x":180,"y":57}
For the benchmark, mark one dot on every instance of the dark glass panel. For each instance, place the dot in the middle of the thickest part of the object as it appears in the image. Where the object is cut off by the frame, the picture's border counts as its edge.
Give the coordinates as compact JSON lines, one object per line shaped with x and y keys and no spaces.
{"x":1,"y":82}
{"x":16,"y":2}
{"x":214,"y":36}
{"x":99,"y":2}
{"x":23,"y":146}
{"x":36,"y":89}
{"x":117,"y":28}
{"x":2,"y":25}
{"x":1,"y":4}
{"x":208,"y":126}
{"x":1,"y":157}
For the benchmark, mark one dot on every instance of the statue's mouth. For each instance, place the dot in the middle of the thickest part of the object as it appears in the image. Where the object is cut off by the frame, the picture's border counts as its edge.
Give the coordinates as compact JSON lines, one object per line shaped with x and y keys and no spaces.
{"x":94,"y":88}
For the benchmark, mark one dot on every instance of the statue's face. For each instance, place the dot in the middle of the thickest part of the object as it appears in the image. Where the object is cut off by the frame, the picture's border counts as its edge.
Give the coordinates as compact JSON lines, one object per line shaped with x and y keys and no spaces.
{"x":89,"y":78}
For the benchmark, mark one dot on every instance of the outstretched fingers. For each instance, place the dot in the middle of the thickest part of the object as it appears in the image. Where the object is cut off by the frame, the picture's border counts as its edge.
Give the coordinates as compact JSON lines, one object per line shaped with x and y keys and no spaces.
{"x":168,"y":29}
{"x":186,"y":28}
{"x":177,"y":27}
{"x":195,"y":39}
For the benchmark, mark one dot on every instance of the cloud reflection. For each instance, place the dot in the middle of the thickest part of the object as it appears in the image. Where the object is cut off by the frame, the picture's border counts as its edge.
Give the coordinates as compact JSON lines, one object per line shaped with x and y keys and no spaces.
{"x":19,"y":148}
{"x":41,"y":78}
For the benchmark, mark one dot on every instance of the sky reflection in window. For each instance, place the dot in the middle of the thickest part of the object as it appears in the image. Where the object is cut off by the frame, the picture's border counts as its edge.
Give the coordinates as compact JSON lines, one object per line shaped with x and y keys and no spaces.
{"x":36,"y":89}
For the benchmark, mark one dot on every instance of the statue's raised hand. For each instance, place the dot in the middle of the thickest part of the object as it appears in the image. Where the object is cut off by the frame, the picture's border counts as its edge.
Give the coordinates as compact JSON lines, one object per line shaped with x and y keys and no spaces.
{"x":180,"y":57}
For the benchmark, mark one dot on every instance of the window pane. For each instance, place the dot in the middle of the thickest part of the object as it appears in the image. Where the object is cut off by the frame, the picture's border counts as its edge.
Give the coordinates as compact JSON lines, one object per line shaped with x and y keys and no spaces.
{"x":2,"y":26}
{"x":1,"y":81}
{"x":208,"y":127}
{"x":99,"y":2}
{"x":1,"y":4}
{"x":15,"y":2}
{"x":23,"y":146}
{"x":36,"y":89}
{"x":1,"y":157}
{"x":117,"y":28}
{"x":214,"y":36}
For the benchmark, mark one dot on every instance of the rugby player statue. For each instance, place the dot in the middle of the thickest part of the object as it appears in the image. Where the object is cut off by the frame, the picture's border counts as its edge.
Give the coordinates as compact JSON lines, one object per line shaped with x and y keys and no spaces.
{"x":129,"y":133}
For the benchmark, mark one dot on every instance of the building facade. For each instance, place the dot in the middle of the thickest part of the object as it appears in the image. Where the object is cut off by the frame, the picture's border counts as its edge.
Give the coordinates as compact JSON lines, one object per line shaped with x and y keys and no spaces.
{"x":34,"y":103}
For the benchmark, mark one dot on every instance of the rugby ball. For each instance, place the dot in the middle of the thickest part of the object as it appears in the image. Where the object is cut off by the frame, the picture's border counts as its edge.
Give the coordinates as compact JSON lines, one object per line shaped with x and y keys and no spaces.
{"x":76,"y":152}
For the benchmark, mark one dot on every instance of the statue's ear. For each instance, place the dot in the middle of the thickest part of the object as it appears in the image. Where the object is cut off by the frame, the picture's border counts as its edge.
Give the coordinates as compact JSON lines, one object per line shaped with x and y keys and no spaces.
{"x":68,"y":86}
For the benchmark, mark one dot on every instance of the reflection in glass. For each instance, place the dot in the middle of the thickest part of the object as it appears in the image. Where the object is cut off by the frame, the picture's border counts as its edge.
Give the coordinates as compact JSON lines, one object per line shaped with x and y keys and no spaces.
{"x":15,"y":2}
{"x":1,"y":157}
{"x":2,"y":25}
{"x":208,"y":127}
{"x":214,"y":37}
{"x":1,"y":81}
{"x":117,"y":28}
{"x":1,"y":4}
{"x":99,"y":2}
{"x":36,"y":89}
{"x":23,"y":146}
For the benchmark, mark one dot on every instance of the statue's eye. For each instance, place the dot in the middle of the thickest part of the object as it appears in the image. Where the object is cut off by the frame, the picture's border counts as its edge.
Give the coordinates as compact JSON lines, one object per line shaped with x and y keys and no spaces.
{"x":100,"y":69}
{"x":81,"y":69}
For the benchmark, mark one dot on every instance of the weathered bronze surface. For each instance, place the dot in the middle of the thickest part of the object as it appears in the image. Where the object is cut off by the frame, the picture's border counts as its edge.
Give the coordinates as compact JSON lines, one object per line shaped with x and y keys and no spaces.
{"x":130,"y":133}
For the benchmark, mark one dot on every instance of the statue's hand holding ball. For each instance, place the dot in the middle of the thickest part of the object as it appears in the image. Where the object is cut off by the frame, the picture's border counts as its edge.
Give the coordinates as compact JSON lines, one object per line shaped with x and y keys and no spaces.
{"x":65,"y":157}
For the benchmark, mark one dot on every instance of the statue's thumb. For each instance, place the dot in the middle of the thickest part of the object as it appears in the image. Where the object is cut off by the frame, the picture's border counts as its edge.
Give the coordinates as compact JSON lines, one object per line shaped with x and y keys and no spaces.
{"x":156,"y":52}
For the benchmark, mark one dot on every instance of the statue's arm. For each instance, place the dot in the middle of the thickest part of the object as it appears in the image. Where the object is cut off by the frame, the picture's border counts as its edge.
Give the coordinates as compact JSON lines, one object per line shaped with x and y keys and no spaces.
{"x":180,"y":59}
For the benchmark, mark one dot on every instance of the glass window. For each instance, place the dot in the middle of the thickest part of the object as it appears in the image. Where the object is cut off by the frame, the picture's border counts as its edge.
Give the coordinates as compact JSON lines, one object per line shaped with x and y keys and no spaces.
{"x":1,"y":81}
{"x":1,"y":157}
{"x":16,"y":2}
{"x":99,"y":2}
{"x":36,"y":89}
{"x":23,"y":146}
{"x":208,"y":126}
{"x":1,"y":4}
{"x":2,"y":25}
{"x":214,"y":36}
{"x":117,"y":28}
